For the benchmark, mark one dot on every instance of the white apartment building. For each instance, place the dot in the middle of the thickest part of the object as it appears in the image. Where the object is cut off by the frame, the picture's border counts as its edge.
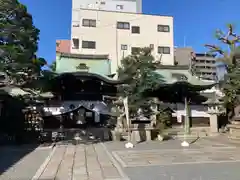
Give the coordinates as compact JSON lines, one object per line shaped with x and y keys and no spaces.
{"x":118,"y":34}
{"x":109,"y":5}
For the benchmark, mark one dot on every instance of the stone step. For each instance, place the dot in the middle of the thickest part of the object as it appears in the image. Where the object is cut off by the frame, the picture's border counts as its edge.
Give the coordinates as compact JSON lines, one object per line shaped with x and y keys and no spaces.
{"x":181,"y":132}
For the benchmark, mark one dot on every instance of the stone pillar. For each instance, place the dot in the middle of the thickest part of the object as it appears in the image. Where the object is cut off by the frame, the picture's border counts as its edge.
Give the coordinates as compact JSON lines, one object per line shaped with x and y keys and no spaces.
{"x":187,"y":118}
{"x":148,"y":135}
{"x":213,"y":123}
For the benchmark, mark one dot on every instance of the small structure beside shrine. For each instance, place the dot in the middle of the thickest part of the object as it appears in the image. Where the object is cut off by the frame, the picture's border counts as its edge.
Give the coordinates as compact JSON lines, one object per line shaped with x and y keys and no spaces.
{"x":181,"y":88}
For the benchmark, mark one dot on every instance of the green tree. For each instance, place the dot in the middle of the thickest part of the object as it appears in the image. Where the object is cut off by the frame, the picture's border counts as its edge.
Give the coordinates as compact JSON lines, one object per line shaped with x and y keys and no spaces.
{"x":137,"y":73}
{"x":231,"y":84}
{"x":52,"y":67}
{"x":18,"y":44}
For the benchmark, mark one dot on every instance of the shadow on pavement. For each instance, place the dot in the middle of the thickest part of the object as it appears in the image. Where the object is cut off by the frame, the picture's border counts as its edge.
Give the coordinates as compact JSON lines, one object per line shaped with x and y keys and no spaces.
{"x":10,"y":155}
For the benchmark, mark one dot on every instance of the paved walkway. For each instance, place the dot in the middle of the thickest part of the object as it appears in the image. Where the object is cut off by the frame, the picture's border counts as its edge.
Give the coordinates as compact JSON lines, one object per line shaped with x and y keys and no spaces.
{"x":21,"y":163}
{"x":211,"y":158}
{"x":207,"y":159}
{"x":205,"y":150}
{"x":173,"y":157}
{"x":83,"y":162}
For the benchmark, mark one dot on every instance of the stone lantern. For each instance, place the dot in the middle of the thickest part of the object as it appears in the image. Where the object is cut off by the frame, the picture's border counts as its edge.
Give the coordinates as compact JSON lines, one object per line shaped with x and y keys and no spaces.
{"x":214,"y":110}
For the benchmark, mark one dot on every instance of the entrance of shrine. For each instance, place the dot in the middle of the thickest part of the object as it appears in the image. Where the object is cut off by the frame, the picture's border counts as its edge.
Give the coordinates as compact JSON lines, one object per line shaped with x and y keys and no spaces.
{"x":78,"y":118}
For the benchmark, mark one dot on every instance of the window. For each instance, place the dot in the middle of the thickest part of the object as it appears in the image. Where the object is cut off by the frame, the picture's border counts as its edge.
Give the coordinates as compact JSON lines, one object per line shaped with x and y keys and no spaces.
{"x":151,"y":46}
{"x":102,"y":2}
{"x":89,"y":44}
{"x":75,"y":43}
{"x":163,"y":50}
{"x":119,"y":7}
{"x":135,"y":29}
{"x":163,"y":28}
{"x":207,"y":61}
{"x":135,"y":50}
{"x":89,"y":22}
{"x":75,"y":25}
{"x":123,"y":47}
{"x":123,"y":25}
{"x":89,"y":114}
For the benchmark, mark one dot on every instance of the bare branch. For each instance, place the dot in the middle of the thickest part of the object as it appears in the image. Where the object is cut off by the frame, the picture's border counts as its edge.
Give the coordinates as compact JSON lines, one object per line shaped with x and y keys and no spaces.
{"x":214,"y":48}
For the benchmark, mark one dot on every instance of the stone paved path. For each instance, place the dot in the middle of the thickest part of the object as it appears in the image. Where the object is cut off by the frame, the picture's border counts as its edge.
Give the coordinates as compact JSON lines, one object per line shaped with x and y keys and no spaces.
{"x":19,"y":163}
{"x":205,"y":150}
{"x":211,"y":158}
{"x":81,"y":162}
{"x":218,"y":171}
{"x":173,"y":157}
{"x":207,"y":159}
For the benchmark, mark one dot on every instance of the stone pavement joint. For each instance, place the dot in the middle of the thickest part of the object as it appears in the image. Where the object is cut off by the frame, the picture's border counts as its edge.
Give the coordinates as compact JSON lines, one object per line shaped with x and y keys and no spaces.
{"x":44,"y":165}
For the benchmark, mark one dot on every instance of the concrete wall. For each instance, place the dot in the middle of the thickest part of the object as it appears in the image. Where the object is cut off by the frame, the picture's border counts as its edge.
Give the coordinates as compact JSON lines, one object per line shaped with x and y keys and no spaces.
{"x":183,"y":56}
{"x":109,"y":39}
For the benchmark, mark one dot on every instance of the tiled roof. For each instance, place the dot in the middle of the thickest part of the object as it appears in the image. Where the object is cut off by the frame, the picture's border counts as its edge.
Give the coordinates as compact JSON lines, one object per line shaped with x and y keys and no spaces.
{"x":172,"y":76}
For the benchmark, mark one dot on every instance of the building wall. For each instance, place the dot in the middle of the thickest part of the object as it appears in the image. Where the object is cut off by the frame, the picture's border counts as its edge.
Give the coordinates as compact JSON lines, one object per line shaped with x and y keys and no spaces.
{"x":110,"y":5}
{"x":206,"y":66}
{"x":109,"y":39}
{"x":183,"y":56}
{"x":63,"y":46}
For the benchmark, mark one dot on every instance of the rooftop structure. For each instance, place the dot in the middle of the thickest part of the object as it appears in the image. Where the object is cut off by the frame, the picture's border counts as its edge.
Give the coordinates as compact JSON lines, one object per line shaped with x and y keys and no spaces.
{"x":134,"y":6}
{"x":63,"y":46}
{"x":183,"y":56}
{"x":203,"y":63}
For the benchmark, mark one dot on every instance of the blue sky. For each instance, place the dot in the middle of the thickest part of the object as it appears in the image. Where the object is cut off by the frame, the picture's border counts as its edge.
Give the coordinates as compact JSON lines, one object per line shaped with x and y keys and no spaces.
{"x":195,"y":19}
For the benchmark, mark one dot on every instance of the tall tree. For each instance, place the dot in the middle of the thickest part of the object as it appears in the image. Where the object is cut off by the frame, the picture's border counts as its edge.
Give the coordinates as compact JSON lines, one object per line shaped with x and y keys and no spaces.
{"x":231,"y":84}
{"x":18,"y":44}
{"x":137,"y":72}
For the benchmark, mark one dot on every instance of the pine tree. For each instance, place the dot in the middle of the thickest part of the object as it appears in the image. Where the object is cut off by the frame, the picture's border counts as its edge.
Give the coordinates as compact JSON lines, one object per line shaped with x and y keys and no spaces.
{"x":231,"y":84}
{"x":137,"y":73}
{"x":18,"y":44}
